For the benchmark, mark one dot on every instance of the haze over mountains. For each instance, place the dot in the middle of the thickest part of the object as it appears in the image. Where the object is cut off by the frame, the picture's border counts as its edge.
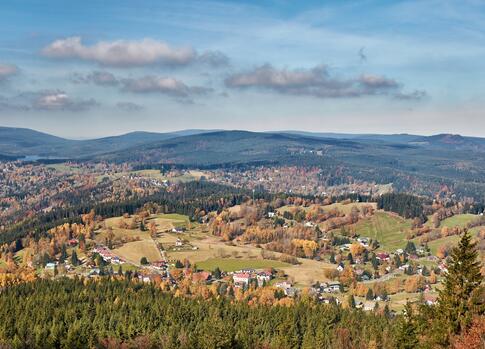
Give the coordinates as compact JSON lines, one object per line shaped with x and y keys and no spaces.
{"x":22,"y":142}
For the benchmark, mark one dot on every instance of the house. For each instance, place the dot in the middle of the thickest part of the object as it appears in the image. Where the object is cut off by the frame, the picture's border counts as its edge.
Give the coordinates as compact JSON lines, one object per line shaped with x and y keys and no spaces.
{"x":271,"y":214}
{"x":160,"y":265}
{"x":241,"y":279}
{"x":383,"y":256}
{"x":340,"y":267}
{"x":50,"y":266}
{"x":369,"y":306}
{"x":332,"y":287}
{"x":178,"y":230}
{"x":117,"y":260}
{"x":73,"y":242}
{"x":291,"y":292}
{"x":363,"y":241}
{"x":309,"y":224}
{"x":263,"y":278}
{"x":284,"y":285}
{"x":179,"y":243}
{"x":399,"y":251}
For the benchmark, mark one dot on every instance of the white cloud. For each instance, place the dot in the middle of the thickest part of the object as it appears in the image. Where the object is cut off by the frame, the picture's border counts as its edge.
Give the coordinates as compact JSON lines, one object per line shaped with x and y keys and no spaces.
{"x":317,"y":82}
{"x":129,"y":53}
{"x":53,"y":100}
{"x":164,"y":85}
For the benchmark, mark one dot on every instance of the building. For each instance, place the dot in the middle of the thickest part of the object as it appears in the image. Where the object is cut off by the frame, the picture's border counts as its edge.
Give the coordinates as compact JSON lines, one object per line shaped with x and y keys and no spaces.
{"x":332,"y":287}
{"x":241,"y":279}
{"x":50,"y":266}
{"x":263,"y":278}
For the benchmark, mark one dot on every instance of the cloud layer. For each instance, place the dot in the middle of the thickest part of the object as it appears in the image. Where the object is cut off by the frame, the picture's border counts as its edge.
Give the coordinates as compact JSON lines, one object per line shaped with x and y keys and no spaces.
{"x":148,"y":84}
{"x":7,"y":70}
{"x":46,"y":100}
{"x":130,"y":53}
{"x":317,"y":82}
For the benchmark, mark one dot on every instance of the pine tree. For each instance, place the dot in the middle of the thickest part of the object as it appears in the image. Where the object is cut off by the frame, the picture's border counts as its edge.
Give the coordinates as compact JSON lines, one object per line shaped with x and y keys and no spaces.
{"x":457,"y":301}
{"x":74,"y":259}
{"x":351,"y":301}
{"x":370,"y":295}
{"x":63,"y":256}
{"x":406,"y":336}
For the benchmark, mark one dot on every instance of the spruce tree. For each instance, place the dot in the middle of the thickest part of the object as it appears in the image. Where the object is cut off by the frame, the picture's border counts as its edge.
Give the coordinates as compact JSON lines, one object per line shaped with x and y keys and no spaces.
{"x":406,"y":336}
{"x":74,"y":259}
{"x":351,"y":301}
{"x":457,"y":299}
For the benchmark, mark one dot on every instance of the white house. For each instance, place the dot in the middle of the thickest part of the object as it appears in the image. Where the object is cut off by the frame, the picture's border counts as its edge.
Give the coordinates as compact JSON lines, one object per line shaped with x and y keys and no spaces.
{"x":241,"y":279}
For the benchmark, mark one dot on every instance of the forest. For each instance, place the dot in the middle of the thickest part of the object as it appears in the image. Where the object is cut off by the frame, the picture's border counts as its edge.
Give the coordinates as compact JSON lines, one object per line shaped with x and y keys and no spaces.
{"x":187,"y":198}
{"x":117,"y":312}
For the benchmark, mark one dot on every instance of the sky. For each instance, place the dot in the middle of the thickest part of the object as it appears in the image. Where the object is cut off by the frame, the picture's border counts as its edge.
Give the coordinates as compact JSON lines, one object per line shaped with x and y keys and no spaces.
{"x":83,"y":69}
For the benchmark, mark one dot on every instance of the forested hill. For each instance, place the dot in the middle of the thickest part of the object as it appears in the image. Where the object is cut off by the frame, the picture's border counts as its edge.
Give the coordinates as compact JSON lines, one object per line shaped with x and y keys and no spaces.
{"x":240,"y":145}
{"x":22,"y":142}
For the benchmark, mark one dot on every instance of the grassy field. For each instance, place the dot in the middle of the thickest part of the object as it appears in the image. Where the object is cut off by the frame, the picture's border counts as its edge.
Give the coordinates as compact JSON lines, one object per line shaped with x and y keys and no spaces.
{"x":134,"y":251}
{"x":229,"y":264}
{"x":449,"y":240}
{"x":341,"y":207}
{"x":171,"y":220}
{"x":146,"y":247}
{"x":210,"y":249}
{"x":389,"y":230}
{"x":460,"y":220}
{"x":348,"y":207}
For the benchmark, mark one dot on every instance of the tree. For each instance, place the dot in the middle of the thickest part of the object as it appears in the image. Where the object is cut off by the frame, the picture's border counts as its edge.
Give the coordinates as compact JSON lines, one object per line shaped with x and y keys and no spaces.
{"x":351,"y":301}
{"x":63,"y":256}
{"x":406,"y":336}
{"x":74,"y":259}
{"x":217,"y":273}
{"x":458,"y":299}
{"x":144,"y":261}
{"x":410,"y":248}
{"x":370,"y":295}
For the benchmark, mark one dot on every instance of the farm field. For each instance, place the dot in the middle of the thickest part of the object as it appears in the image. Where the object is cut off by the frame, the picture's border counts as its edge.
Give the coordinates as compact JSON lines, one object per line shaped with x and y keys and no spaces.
{"x":134,"y":251}
{"x":229,"y":264}
{"x":211,"y":250}
{"x":389,"y":230}
{"x":169,"y":221}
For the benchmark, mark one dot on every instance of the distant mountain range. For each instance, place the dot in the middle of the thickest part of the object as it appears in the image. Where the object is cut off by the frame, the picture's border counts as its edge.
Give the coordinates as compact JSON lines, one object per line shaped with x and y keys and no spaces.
{"x":417,"y":163}
{"x":22,"y":142}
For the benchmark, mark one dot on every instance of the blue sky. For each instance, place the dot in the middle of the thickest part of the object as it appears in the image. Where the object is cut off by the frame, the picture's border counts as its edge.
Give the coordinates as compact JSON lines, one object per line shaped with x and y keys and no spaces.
{"x":90,"y":68}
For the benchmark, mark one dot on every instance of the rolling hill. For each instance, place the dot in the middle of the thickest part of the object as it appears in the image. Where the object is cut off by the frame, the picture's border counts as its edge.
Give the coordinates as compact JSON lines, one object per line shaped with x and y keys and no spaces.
{"x":22,"y":142}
